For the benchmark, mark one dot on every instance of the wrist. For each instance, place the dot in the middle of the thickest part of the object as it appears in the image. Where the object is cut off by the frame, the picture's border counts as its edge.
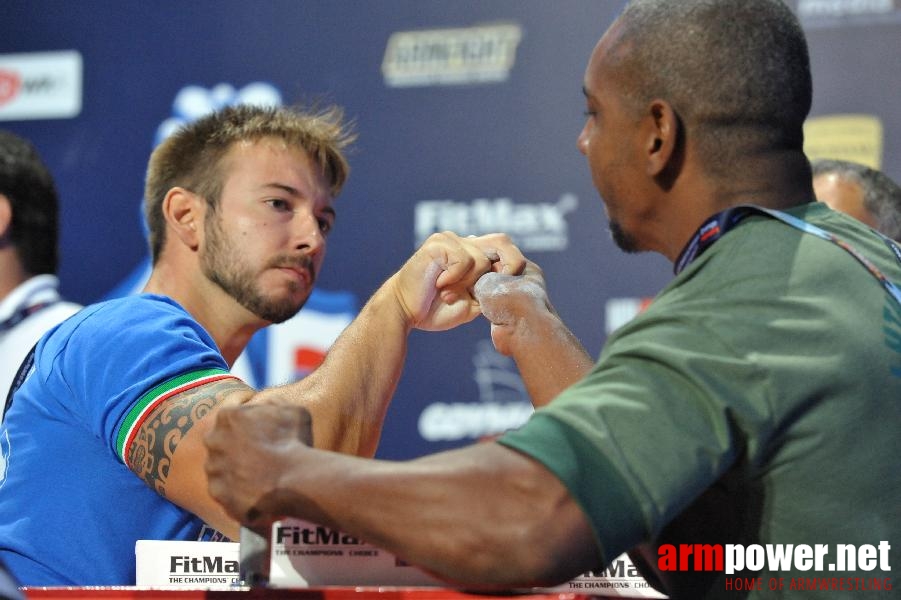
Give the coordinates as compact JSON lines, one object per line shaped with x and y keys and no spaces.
{"x":388,"y":303}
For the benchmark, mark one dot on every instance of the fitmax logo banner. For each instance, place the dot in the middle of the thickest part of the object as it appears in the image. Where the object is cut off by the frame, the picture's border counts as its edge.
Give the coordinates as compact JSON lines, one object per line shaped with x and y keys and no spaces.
{"x":534,"y":227}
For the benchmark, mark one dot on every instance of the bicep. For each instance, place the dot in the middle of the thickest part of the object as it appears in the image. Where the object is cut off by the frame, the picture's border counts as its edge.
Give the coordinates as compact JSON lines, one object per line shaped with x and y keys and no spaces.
{"x":525,"y":515}
{"x":556,"y":539}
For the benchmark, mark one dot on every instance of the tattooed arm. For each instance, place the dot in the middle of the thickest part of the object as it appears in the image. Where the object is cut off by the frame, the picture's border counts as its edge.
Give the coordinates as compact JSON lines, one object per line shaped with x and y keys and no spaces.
{"x":348,"y":395}
{"x":168,"y":451}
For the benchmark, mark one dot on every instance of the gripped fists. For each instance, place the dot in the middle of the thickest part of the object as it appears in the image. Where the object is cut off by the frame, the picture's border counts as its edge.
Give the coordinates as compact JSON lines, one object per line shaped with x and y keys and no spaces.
{"x":434,"y":287}
{"x":248,"y":452}
{"x":511,"y":302}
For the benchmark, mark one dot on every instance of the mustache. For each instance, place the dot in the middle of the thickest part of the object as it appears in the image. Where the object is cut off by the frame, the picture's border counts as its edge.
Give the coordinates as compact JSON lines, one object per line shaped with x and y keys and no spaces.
{"x":295,"y":262}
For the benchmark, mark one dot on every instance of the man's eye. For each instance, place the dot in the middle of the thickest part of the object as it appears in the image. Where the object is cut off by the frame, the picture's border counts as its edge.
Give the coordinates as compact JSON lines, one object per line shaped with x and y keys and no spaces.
{"x":325,"y":226}
{"x":279,"y":204}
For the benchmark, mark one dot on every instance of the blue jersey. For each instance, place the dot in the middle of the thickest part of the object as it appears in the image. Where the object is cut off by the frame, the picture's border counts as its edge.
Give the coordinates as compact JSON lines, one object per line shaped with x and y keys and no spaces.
{"x":70,"y":509}
{"x":282,"y":352}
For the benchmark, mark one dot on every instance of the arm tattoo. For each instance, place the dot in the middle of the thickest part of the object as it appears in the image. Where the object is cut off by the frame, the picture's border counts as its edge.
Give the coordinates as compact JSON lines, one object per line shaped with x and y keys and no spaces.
{"x":150,"y":455}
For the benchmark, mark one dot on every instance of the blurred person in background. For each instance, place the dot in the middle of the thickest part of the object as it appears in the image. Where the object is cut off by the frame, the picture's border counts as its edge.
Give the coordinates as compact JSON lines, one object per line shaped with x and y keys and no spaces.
{"x":30,"y":302}
{"x":868,"y":195}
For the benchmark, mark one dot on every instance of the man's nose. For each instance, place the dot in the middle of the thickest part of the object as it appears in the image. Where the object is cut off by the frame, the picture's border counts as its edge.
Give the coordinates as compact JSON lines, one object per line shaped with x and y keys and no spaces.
{"x":582,"y":140}
{"x":307,"y":232}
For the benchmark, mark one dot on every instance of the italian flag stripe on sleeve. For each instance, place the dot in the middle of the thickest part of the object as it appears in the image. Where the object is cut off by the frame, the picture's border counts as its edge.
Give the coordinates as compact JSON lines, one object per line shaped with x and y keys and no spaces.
{"x":149,"y":401}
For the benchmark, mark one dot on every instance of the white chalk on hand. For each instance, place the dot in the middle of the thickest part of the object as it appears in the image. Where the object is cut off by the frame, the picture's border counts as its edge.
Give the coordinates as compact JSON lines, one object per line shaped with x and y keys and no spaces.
{"x":490,"y":284}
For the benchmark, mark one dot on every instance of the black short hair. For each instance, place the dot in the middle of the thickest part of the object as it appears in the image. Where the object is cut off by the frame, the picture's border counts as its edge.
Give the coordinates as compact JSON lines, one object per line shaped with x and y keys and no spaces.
{"x":28,"y":186}
{"x":737,"y":72}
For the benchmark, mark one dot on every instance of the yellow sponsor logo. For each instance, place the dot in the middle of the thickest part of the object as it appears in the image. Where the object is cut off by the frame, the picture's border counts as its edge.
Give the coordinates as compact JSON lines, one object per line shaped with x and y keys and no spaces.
{"x":480,"y":54}
{"x":857,"y":138}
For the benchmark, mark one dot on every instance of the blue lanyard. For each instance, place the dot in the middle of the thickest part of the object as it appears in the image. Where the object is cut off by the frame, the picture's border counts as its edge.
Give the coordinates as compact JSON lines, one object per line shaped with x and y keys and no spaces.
{"x":717,"y":225}
{"x":22,"y":313}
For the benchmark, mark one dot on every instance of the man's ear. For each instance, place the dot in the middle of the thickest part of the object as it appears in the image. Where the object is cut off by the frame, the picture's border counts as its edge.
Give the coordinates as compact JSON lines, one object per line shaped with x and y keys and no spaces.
{"x":6,"y":217}
{"x":660,"y":133}
{"x":184,"y":212}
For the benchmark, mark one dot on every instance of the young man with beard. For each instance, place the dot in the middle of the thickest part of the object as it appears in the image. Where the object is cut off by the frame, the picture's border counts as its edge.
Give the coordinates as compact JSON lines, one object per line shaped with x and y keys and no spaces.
{"x":754,"y":403}
{"x":103,"y":440}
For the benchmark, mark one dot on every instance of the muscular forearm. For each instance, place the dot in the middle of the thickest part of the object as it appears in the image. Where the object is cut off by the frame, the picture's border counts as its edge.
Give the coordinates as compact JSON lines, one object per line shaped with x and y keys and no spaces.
{"x":525,"y":326}
{"x":438,"y":513}
{"x":549,"y":357}
{"x":349,"y":393}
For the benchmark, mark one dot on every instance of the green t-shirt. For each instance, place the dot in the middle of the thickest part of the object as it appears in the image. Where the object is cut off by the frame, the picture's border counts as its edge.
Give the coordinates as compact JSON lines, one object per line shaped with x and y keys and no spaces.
{"x":756,"y":401}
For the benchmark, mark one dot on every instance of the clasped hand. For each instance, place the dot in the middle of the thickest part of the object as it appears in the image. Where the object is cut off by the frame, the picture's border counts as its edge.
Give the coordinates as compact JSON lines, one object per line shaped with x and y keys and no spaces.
{"x":249,"y":451}
{"x":511,"y":302}
{"x":434,"y":287}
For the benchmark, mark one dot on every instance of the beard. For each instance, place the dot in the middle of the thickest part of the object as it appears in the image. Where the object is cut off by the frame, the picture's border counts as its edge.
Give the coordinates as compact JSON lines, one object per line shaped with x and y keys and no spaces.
{"x":222,"y":264}
{"x":622,"y":239}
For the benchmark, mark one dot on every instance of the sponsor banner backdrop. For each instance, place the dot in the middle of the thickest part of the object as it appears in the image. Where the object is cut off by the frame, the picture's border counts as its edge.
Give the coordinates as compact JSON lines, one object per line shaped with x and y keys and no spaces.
{"x":40,"y":85}
{"x":467,"y":113}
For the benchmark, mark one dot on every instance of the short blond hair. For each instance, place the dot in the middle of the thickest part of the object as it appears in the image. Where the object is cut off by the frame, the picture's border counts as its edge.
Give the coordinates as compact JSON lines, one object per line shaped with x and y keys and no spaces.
{"x":192,"y":156}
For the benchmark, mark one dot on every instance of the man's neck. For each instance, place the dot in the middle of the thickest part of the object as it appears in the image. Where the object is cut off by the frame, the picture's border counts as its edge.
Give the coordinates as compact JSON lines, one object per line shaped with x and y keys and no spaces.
{"x":777,"y":183}
{"x":12,"y":275}
{"x":229,"y":324}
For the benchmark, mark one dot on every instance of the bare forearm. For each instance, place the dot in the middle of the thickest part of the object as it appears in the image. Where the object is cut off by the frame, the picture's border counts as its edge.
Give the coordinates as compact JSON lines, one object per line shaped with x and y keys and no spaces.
{"x":549,"y":357}
{"x":349,"y":393}
{"x":438,"y":513}
{"x":525,"y":326}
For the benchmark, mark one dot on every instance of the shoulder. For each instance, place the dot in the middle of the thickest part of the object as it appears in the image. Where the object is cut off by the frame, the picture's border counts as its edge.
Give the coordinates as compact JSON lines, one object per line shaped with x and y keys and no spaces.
{"x":135,"y":311}
{"x":115,"y":326}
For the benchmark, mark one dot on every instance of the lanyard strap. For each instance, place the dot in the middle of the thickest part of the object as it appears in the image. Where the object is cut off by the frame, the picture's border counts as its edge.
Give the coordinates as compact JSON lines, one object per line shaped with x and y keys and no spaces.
{"x":22,"y":313}
{"x":18,"y":380}
{"x":717,"y":225}
{"x":713,"y":229}
{"x":41,"y":293}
